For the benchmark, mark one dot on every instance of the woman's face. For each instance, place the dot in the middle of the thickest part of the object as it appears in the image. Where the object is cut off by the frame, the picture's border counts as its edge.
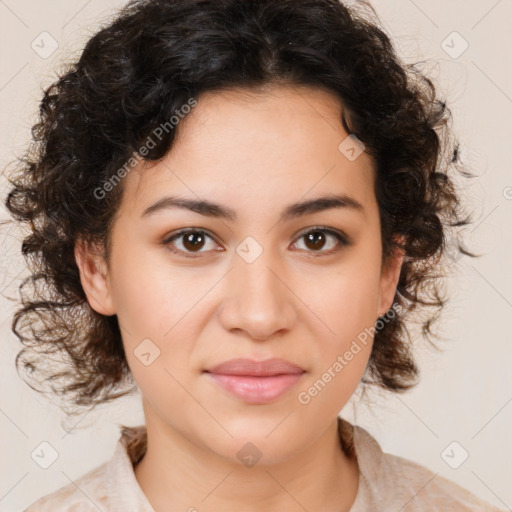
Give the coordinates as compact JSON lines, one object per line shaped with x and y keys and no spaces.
{"x":257,"y":284}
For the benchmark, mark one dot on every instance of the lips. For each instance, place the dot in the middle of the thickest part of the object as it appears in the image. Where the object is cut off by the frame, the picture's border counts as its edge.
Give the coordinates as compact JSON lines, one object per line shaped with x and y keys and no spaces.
{"x":254,"y":368}
{"x":255,"y":382}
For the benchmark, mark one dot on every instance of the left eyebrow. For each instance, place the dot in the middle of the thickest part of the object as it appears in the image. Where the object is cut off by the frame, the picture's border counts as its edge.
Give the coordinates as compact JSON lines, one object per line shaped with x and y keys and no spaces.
{"x":211,"y":209}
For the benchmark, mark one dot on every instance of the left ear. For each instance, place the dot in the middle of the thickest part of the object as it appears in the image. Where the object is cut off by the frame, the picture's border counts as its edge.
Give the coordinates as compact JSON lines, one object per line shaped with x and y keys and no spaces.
{"x":389,"y":280}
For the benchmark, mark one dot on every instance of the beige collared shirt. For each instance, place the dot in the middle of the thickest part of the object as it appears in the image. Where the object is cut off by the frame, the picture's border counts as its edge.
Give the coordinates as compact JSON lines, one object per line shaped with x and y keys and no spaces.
{"x":386,"y":482}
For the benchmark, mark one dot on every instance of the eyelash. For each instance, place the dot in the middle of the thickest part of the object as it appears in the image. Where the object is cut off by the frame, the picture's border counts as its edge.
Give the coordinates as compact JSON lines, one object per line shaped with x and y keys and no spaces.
{"x":343,"y":241}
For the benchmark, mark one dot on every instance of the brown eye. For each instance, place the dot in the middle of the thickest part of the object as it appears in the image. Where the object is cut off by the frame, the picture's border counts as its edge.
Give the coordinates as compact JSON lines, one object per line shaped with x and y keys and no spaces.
{"x":192,"y":241}
{"x":317,"y":238}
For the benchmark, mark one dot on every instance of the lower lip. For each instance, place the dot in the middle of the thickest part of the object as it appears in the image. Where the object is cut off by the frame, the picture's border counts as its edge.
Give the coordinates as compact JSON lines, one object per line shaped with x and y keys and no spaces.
{"x":256,"y":390}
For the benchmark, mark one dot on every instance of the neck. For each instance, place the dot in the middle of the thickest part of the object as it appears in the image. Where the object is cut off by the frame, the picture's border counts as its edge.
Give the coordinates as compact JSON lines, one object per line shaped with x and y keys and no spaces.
{"x":176,"y":474}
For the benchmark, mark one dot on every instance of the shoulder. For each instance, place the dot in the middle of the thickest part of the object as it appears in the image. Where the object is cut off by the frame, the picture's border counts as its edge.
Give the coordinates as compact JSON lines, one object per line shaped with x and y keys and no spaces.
{"x":87,"y":493}
{"x":111,"y":485}
{"x":396,"y":482}
{"x":424,"y":489}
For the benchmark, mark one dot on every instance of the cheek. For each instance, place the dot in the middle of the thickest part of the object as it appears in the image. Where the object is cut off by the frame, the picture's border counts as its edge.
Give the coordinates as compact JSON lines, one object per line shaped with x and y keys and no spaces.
{"x":149,"y":295}
{"x":345,"y":301}
{"x":160,"y":310}
{"x":342,"y":346}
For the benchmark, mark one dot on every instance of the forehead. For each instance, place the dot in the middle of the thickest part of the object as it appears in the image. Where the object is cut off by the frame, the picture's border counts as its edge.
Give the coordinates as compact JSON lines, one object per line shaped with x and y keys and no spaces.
{"x":256,"y":147}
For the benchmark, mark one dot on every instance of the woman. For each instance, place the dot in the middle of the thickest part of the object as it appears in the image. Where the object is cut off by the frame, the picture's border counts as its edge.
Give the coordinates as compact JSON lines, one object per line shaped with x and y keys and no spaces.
{"x":235,"y":206}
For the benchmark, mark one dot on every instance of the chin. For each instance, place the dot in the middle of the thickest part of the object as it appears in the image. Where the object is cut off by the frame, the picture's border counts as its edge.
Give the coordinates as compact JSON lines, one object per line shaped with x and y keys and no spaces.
{"x":266,"y":438}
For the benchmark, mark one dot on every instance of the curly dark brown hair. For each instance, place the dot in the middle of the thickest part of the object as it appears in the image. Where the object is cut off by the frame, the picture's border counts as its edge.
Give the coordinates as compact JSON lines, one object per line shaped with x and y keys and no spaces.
{"x":133,"y":75}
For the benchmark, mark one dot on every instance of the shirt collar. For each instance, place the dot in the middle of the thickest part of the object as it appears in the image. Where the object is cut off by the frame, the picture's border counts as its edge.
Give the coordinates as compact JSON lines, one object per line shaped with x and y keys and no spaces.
{"x":123,"y":489}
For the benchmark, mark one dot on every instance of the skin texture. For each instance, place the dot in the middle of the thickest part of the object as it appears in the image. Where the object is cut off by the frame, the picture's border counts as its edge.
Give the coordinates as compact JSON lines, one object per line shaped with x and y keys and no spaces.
{"x":255,"y":153}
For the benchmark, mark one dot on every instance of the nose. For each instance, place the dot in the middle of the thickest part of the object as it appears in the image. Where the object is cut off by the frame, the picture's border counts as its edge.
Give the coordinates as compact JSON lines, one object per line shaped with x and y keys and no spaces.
{"x":257,"y":300}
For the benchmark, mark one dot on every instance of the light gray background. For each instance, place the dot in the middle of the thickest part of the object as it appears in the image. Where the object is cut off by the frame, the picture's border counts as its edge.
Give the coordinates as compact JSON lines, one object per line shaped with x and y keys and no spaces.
{"x":465,"y":394}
